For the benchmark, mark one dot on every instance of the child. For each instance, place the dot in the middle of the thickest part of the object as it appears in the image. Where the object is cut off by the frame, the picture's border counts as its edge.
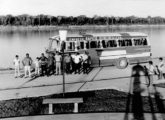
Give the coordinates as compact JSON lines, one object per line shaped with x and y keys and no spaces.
{"x":37,"y":66}
{"x":17,"y":66}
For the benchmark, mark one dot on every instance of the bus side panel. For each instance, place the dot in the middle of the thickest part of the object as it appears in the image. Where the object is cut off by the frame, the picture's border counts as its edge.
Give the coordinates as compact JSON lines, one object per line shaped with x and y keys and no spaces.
{"x":139,"y":60}
{"x":138,"y":49}
{"x":94,"y":57}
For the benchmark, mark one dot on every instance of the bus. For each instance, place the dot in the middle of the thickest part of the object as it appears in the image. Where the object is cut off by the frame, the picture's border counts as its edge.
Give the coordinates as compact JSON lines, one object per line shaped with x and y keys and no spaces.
{"x":119,"y":49}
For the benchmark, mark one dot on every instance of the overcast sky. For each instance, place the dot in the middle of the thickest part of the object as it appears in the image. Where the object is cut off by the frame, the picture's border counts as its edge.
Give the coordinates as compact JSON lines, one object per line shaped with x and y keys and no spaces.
{"x":141,"y":8}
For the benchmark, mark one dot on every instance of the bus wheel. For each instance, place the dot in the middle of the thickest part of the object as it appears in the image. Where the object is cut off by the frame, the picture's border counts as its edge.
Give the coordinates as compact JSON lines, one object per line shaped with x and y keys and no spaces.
{"x":122,"y":63}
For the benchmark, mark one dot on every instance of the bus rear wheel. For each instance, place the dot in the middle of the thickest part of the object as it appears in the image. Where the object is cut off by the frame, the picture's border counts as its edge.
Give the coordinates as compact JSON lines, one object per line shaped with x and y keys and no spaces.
{"x":122,"y":63}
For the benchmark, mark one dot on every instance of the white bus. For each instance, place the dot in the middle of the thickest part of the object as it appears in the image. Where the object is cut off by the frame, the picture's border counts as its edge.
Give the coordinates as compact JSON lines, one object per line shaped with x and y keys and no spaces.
{"x":119,"y":49}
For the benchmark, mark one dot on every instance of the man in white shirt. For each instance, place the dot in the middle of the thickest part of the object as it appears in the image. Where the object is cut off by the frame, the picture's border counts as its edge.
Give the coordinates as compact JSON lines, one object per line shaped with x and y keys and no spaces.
{"x":85,"y":62}
{"x":58,"y":59}
{"x":17,"y":66}
{"x":77,"y":62}
{"x":151,"y":72}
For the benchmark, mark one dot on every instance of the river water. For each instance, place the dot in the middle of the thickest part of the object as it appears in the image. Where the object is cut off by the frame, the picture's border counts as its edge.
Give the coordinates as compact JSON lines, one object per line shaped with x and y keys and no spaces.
{"x":35,"y":42}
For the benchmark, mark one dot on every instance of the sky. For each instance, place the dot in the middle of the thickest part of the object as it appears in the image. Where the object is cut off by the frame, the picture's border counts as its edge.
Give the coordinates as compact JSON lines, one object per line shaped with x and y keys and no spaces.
{"x":140,"y":8}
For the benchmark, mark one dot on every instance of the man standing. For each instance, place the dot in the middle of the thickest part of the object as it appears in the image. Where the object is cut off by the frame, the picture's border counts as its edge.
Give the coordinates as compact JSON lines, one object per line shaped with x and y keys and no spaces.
{"x":151,"y":72}
{"x":17,"y":66}
{"x":43,"y":61}
{"x":161,"y":68}
{"x":27,"y":62}
{"x":68,"y":61}
{"x":50,"y":64}
{"x":58,"y":59}
{"x":37,"y":66}
{"x":77,"y":60}
{"x":85,"y":62}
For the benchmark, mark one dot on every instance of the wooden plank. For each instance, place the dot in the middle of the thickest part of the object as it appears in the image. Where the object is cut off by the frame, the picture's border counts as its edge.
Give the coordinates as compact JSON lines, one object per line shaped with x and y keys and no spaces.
{"x":62,"y":100}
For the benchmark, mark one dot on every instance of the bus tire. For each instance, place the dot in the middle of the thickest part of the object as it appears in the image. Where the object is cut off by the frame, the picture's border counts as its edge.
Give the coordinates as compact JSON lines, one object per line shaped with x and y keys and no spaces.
{"x":122,"y":63}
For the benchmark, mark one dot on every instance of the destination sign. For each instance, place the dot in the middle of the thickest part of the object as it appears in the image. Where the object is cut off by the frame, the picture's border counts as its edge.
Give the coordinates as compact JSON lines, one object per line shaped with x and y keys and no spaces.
{"x":78,"y":38}
{"x":107,"y":37}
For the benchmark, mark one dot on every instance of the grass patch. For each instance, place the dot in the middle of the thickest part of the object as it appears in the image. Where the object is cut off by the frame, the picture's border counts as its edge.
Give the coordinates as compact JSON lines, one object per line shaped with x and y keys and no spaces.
{"x":94,"y":101}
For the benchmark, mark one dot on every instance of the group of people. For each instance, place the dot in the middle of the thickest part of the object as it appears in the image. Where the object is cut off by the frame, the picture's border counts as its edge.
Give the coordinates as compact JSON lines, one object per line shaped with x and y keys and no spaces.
{"x":53,"y":64}
{"x":158,"y":70}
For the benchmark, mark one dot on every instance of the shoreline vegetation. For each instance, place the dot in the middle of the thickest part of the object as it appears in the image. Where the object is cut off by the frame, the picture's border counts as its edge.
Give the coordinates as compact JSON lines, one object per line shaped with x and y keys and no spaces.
{"x":9,"y":28}
{"x":41,"y":19}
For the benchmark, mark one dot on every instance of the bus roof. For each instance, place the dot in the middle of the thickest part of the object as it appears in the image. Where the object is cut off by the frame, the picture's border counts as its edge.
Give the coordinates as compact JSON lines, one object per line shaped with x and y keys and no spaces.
{"x":68,"y":35}
{"x":125,"y":34}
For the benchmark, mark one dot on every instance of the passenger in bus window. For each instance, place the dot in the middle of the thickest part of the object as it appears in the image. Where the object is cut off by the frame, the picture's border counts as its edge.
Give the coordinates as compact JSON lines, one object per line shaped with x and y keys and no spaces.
{"x":87,"y":44}
{"x":140,"y":41}
{"x":111,"y":43}
{"x":121,"y":43}
{"x":81,"y":45}
{"x":144,"y":41}
{"x":103,"y":44}
{"x":114,"y":43}
{"x":93,"y":44}
{"x":108,"y":44}
{"x":135,"y":42}
{"x":128,"y":42}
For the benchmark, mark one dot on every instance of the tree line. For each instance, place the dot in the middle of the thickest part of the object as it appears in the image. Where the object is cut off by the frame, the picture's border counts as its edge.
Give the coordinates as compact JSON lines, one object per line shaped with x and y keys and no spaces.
{"x":39,"y":20}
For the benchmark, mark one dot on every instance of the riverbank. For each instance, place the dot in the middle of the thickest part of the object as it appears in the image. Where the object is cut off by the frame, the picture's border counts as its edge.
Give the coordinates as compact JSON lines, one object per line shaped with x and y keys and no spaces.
{"x":70,"y":27}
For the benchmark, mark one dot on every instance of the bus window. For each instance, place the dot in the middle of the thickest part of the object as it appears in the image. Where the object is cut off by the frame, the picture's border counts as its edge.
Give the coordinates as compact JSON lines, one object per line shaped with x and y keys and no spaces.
{"x":128,"y":42}
{"x":136,"y":42}
{"x":81,"y":45}
{"x":71,"y":46}
{"x":140,"y":42}
{"x":144,"y":41}
{"x":99,"y":44}
{"x":87,"y":45}
{"x":114,"y":43}
{"x":103,"y":44}
{"x":121,"y":43}
{"x":93,"y":44}
{"x":111,"y":43}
